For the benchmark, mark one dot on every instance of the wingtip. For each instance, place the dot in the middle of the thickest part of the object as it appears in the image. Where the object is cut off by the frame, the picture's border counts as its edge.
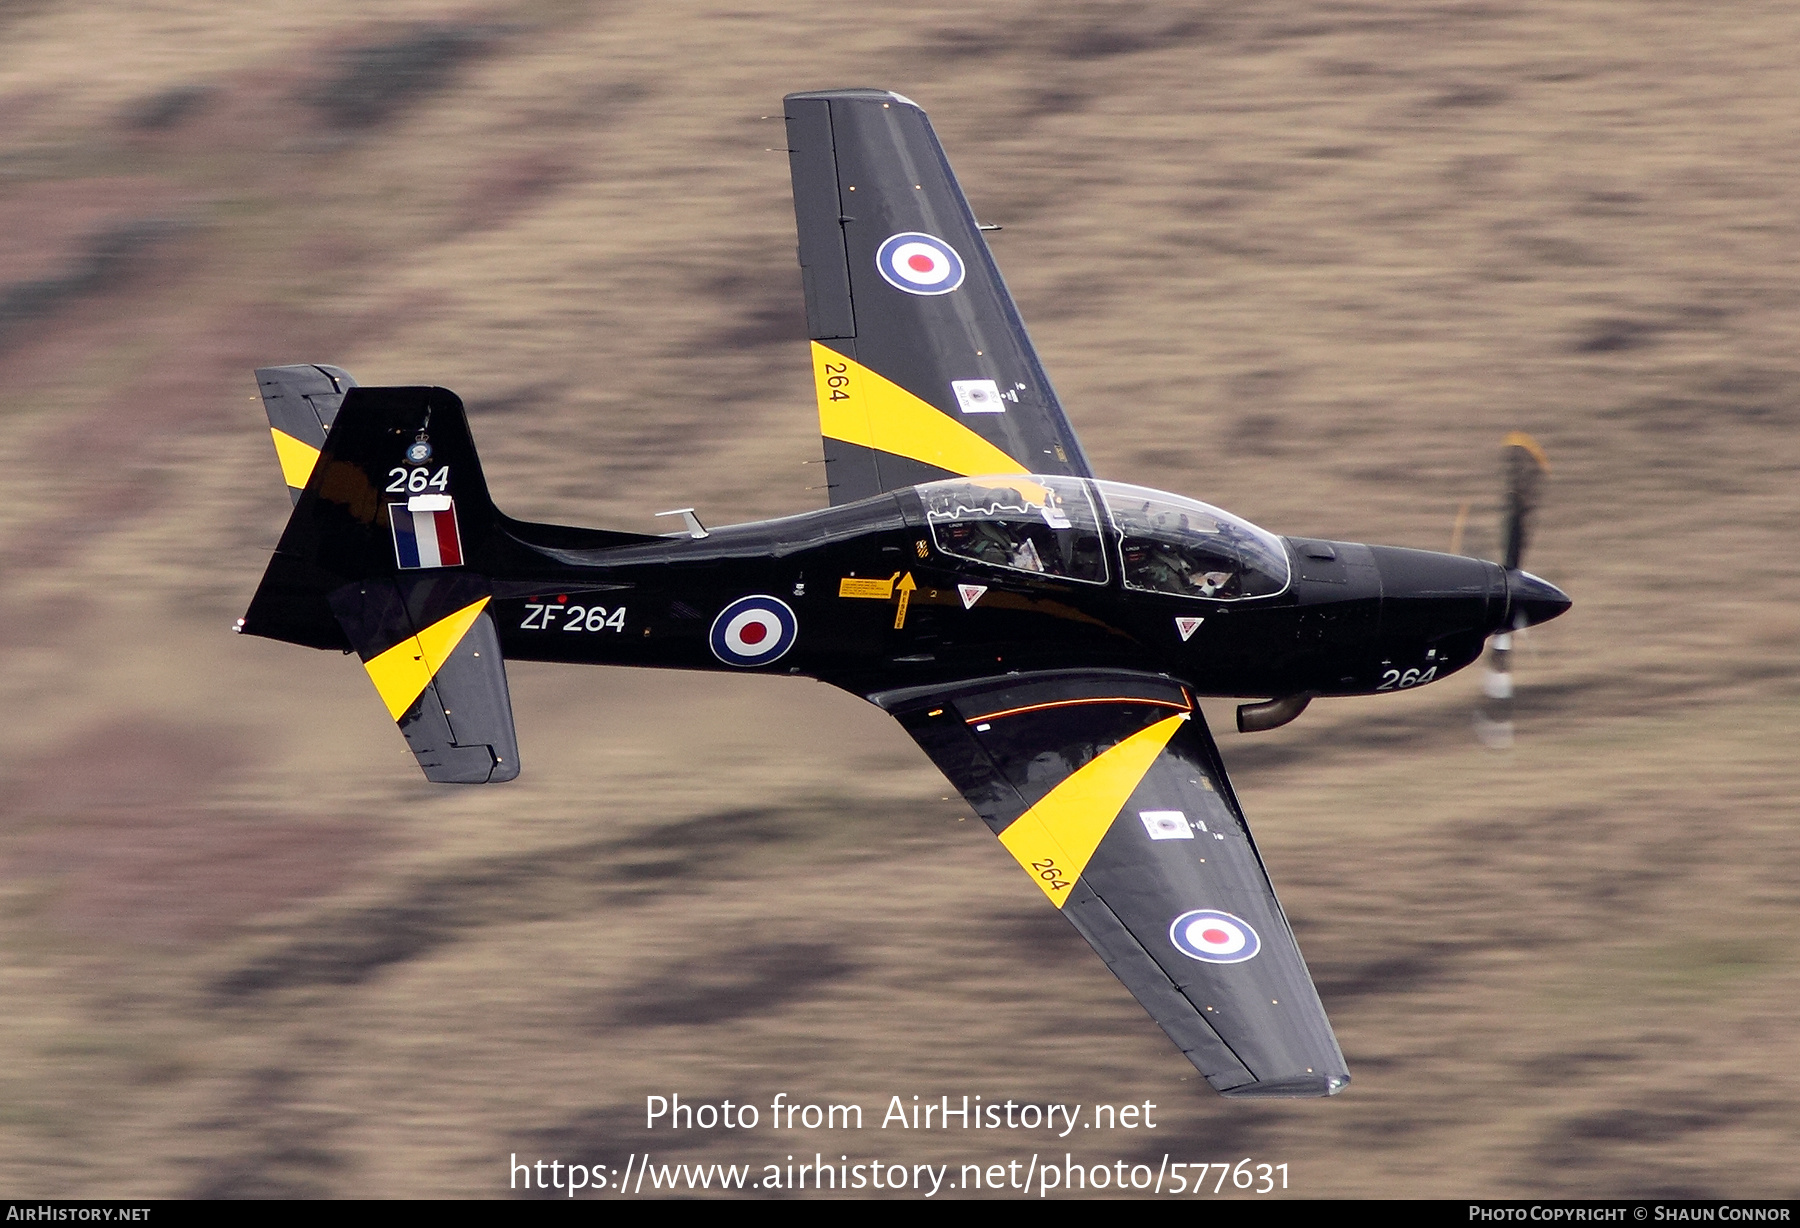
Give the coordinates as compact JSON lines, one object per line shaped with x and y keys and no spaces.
{"x":1300,"y":1087}
{"x":854,"y":93}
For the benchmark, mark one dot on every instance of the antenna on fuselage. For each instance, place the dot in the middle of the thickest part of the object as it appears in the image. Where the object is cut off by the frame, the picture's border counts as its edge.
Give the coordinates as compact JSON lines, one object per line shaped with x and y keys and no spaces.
{"x":695,"y":529}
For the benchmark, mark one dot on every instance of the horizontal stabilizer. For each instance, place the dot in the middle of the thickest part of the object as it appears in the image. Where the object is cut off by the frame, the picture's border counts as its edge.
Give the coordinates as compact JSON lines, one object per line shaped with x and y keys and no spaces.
{"x":432,"y":651}
{"x":302,"y":401}
{"x":397,"y":490}
{"x":394,"y":551}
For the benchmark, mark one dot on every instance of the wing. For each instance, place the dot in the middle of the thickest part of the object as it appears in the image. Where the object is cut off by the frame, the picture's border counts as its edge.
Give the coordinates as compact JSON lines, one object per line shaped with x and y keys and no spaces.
{"x":1108,"y":790}
{"x":921,"y":362}
{"x":302,"y":401}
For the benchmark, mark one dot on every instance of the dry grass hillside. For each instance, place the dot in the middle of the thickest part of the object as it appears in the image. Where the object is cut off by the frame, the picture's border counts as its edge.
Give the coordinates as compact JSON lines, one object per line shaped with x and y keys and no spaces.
{"x":1308,"y":260}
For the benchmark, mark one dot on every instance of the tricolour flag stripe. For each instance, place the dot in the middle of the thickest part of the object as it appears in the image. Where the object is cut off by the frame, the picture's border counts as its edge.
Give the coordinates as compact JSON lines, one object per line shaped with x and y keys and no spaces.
{"x":406,"y":542}
{"x":449,"y":548}
{"x":425,"y":539}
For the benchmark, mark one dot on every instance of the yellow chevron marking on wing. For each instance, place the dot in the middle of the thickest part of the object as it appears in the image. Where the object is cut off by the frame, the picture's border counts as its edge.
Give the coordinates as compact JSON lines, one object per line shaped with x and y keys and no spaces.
{"x":297,"y":459}
{"x":858,"y":406}
{"x":405,"y":670}
{"x":1055,"y":839}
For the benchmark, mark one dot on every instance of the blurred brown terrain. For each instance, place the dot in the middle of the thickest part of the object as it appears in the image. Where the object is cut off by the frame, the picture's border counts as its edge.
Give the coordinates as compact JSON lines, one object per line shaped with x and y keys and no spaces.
{"x":1306,"y":260}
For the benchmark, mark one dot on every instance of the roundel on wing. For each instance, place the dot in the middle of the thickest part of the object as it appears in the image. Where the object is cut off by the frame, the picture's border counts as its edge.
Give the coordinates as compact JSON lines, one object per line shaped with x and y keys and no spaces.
{"x":1214,"y":937}
{"x":753,"y":631}
{"x":919,"y":263}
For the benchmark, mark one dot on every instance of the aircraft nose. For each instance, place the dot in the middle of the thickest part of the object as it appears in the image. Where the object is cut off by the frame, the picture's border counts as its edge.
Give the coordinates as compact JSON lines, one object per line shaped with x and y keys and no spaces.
{"x":1533,"y":600}
{"x":1426,"y":597}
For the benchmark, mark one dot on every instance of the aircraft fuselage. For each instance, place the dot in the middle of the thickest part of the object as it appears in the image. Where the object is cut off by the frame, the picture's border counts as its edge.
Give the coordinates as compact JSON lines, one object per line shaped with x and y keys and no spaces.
{"x":876,"y":605}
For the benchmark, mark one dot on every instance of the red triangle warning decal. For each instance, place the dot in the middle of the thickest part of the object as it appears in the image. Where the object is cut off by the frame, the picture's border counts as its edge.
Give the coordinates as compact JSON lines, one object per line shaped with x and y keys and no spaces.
{"x":1187,"y":627}
{"x":971,"y":593}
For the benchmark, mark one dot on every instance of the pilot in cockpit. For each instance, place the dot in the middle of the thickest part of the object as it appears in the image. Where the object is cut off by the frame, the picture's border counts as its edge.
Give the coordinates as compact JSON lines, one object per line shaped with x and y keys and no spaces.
{"x":977,"y":539}
{"x":1211,"y":583}
{"x":1165,"y":567}
{"x":991,"y":541}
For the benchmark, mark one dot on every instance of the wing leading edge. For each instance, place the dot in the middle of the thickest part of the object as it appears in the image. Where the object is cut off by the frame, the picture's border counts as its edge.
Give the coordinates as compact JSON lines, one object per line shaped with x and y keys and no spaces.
{"x":1108,"y":790}
{"x":922,"y":366}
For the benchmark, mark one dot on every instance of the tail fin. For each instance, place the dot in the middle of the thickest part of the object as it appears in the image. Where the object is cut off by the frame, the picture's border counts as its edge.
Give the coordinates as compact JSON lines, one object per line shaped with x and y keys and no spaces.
{"x":384,"y":555}
{"x":396,"y":461}
{"x":302,"y":402}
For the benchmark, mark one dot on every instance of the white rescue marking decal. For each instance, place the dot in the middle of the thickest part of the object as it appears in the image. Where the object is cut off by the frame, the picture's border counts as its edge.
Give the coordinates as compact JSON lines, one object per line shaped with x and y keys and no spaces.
{"x":1166,"y":824}
{"x":978,"y":396}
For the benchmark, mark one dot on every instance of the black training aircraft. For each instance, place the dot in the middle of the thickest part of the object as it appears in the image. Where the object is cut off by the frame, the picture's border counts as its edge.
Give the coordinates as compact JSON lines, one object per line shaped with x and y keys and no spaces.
{"x":1041,"y":633}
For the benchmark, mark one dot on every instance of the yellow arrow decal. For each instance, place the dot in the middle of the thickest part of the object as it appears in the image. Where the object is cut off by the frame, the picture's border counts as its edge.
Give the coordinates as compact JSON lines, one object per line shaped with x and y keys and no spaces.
{"x":858,"y":406}
{"x":1056,"y":838}
{"x":406,"y":669}
{"x":906,"y":591}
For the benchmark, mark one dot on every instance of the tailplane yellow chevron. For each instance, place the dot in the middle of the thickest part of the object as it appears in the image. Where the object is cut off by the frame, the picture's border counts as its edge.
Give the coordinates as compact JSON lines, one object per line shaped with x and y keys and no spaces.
{"x":404,"y":671}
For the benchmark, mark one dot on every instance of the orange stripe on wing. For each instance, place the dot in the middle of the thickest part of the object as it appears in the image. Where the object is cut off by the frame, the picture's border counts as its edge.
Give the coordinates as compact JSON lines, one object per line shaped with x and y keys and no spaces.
{"x":1071,"y":703}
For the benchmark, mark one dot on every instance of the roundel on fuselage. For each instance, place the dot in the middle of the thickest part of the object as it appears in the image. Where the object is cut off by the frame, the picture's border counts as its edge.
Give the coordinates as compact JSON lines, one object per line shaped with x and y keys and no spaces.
{"x":753,"y":630}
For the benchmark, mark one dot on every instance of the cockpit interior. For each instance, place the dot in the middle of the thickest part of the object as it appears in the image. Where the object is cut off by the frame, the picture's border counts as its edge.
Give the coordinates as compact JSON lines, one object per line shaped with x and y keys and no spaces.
{"x":1162,"y":543}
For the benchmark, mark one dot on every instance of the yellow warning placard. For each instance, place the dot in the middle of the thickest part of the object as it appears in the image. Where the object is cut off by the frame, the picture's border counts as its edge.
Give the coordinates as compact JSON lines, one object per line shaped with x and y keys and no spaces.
{"x":879,"y":590}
